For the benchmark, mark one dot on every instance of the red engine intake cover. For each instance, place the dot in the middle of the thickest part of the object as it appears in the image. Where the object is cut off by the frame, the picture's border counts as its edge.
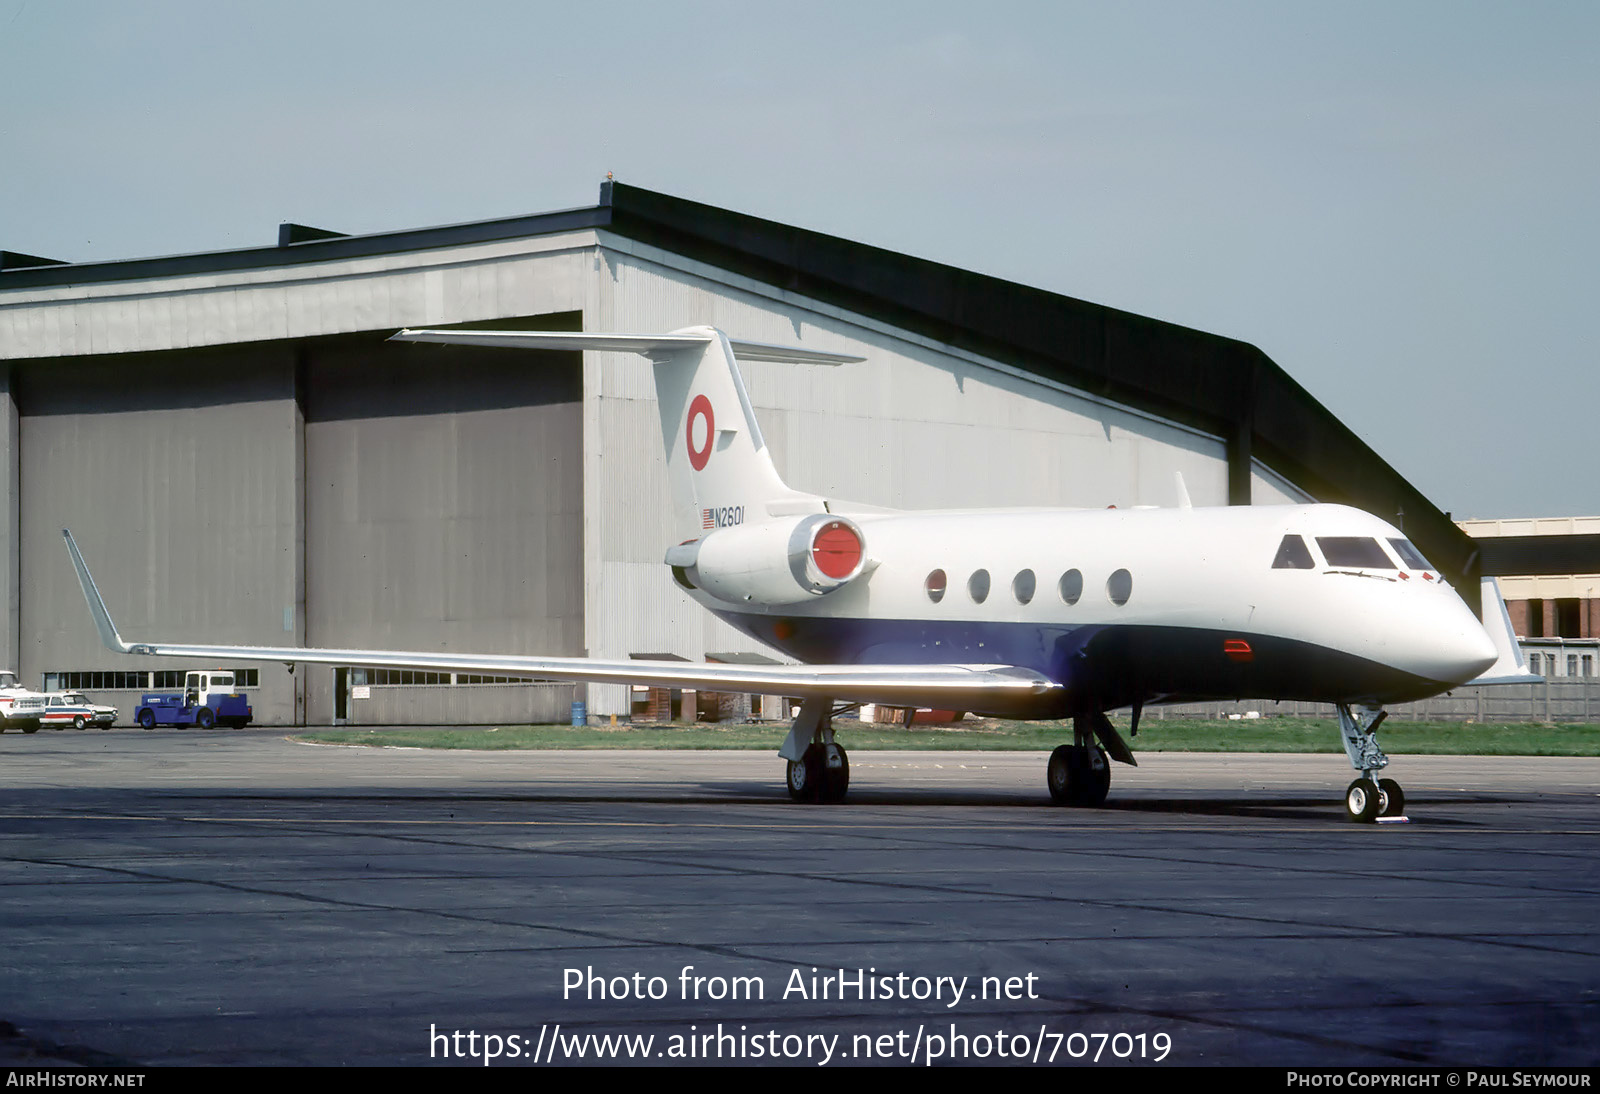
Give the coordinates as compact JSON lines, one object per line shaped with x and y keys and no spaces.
{"x":836,"y":549}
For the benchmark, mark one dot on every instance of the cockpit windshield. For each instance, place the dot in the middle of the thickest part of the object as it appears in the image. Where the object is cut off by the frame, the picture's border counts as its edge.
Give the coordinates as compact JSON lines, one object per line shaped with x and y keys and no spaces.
{"x":1410,"y":555}
{"x":1354,"y":552}
{"x":1293,"y":554}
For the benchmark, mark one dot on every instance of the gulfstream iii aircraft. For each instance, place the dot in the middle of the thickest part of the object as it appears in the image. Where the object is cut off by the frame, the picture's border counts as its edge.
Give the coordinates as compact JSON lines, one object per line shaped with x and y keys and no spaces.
{"x":1035,"y":614}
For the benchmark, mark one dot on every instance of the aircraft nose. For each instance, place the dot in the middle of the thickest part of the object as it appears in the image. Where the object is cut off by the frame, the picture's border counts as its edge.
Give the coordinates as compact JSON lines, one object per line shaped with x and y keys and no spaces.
{"x":1462,"y":648}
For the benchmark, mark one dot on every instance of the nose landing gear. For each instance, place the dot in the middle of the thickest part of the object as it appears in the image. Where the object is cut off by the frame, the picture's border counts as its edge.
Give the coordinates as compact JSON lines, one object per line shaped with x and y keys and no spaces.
{"x":1368,"y":798}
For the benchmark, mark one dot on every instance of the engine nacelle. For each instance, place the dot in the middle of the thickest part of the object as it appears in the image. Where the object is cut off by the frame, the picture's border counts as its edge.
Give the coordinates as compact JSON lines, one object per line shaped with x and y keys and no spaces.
{"x":773,"y":563}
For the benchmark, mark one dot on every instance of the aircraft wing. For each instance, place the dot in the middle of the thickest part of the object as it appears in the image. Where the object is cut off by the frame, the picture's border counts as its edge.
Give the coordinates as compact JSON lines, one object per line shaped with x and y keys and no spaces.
{"x":990,"y":688}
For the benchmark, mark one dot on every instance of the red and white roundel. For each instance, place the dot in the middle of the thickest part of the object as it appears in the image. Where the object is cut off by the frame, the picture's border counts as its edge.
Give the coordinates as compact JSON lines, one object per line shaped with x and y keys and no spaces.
{"x":700,"y":453}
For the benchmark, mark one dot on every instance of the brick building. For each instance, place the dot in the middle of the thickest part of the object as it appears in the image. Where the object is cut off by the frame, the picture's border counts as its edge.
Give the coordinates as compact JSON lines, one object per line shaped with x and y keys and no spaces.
{"x":1549,"y":574}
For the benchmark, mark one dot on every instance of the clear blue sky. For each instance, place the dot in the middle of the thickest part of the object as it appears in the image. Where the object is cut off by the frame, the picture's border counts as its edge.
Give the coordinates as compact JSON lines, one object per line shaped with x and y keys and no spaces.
{"x":1396,"y":201}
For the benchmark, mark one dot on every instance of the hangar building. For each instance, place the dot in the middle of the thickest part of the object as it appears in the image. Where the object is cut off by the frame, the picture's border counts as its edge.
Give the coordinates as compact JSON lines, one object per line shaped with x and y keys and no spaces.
{"x":244,"y":459}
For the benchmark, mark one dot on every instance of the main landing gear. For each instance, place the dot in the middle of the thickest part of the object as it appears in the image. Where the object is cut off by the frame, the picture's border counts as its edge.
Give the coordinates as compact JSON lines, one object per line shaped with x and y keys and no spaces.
{"x":1080,"y":773}
{"x":818,"y":768}
{"x":1368,"y":798}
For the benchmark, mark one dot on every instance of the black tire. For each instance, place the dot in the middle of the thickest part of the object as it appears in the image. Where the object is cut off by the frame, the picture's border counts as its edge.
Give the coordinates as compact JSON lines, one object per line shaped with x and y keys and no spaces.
{"x":31,"y":727}
{"x":1394,"y":799}
{"x":835,"y":776}
{"x":1361,"y":801}
{"x":147,"y":719}
{"x":805,"y":775}
{"x":1059,"y":774}
{"x":205,"y":718}
{"x":1078,"y":776}
{"x":79,"y":721}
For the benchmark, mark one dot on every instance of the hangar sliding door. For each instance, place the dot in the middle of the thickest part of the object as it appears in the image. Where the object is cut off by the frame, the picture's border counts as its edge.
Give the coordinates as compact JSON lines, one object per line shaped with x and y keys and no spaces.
{"x":443,"y":511}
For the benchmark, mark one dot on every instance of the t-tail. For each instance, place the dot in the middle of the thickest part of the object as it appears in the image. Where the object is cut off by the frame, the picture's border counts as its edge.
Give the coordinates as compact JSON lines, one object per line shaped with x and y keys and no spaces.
{"x":719,"y":465}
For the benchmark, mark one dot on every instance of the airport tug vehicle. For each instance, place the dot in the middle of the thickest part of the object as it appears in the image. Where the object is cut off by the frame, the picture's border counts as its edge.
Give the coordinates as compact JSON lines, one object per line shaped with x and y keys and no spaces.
{"x":208,"y":699}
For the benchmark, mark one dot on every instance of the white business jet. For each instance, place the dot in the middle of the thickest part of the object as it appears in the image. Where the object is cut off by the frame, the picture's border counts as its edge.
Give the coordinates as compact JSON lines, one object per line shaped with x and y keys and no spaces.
{"x":1035,"y":614}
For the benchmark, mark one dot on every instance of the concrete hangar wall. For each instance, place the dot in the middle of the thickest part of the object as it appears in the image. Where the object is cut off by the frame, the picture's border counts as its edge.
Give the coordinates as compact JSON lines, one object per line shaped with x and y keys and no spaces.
{"x":245,"y":460}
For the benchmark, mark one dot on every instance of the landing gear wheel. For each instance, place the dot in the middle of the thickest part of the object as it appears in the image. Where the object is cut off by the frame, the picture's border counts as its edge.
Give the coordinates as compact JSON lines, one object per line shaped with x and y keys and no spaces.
{"x":78,"y":721}
{"x":1058,"y":774}
{"x":821,"y":775}
{"x":1361,"y":801}
{"x":205,"y":719}
{"x":147,"y":719}
{"x":835,"y":773}
{"x":1394,"y":799}
{"x":805,"y":775}
{"x":1078,"y":775}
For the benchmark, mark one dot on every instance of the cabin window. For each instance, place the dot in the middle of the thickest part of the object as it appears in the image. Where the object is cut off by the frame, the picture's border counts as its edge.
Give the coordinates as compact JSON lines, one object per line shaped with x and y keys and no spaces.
{"x":978,"y":586}
{"x":1293,"y":554}
{"x":936,"y":585}
{"x":1023,"y":585}
{"x":1119,"y":587}
{"x":1071,"y":587}
{"x":1357,"y":552}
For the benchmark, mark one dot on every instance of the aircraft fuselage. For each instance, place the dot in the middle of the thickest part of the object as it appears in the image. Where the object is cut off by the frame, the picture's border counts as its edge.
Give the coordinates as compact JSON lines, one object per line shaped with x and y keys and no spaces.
{"x":1139,"y":605}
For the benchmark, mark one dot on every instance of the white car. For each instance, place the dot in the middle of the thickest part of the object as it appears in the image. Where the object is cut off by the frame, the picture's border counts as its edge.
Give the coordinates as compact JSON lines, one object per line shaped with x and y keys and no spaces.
{"x":19,"y":706}
{"x":64,"y":708}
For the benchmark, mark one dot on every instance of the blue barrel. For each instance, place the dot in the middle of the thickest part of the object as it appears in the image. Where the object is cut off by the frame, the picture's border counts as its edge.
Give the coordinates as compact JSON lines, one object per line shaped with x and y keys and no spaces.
{"x":580,"y":714}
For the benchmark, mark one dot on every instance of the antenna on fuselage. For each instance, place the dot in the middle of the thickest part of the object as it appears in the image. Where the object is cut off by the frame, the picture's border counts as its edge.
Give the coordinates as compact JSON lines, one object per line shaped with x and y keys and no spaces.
{"x":1183,"y":491}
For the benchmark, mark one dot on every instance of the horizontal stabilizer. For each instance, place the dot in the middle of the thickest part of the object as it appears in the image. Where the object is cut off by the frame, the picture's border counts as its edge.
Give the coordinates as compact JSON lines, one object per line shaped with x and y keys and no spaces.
{"x":647,"y":344}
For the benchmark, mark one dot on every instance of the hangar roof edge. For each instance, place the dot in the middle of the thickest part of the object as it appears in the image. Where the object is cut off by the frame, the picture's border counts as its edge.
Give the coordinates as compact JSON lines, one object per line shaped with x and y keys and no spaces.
{"x":307,"y":251}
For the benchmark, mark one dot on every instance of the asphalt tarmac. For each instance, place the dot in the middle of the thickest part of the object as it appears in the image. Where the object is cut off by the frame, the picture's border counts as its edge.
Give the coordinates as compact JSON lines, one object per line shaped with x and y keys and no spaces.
{"x":181,"y":897}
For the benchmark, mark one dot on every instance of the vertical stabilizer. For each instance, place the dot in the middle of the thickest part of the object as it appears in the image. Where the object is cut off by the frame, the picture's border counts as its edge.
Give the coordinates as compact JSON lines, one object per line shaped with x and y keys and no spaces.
{"x":719,"y":465}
